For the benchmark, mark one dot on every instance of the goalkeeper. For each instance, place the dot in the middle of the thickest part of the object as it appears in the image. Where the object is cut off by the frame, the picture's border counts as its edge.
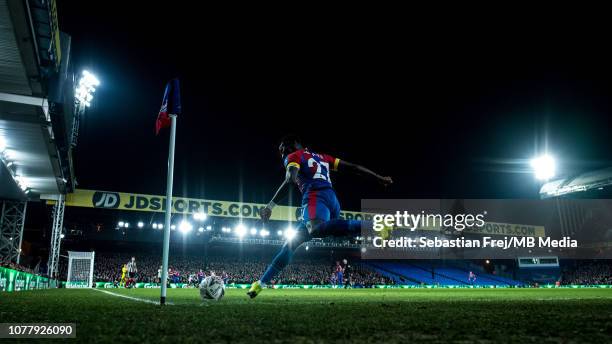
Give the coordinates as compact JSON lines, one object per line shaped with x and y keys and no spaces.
{"x":123,"y":272}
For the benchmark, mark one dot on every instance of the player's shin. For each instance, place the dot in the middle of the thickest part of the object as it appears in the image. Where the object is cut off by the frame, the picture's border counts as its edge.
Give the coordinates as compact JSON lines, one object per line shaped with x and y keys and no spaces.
{"x":283,"y":257}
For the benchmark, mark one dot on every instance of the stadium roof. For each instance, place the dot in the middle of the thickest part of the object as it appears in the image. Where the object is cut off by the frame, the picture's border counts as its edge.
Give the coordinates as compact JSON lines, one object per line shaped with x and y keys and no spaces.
{"x":30,"y":158}
{"x":594,"y":180}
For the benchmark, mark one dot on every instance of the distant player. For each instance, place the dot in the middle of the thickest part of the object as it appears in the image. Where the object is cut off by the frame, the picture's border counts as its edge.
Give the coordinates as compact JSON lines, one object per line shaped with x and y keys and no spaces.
{"x":321,"y":209}
{"x":123,"y":275}
{"x":347,"y":270}
{"x":333,"y":279}
{"x":132,"y":270}
{"x":471,"y":277}
{"x":339,"y":274}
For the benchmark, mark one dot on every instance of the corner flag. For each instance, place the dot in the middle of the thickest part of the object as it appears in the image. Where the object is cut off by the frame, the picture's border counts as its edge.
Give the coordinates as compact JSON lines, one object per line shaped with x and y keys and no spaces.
{"x":171,"y":107}
{"x":171,"y":104}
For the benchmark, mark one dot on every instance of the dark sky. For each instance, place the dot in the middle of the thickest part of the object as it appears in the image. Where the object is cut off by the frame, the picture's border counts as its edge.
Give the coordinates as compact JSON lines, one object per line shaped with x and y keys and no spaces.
{"x":446,"y":111}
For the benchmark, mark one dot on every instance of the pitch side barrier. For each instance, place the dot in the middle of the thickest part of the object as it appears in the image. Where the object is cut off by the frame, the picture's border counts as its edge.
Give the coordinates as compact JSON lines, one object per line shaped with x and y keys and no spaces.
{"x":14,"y":280}
{"x":110,"y":285}
{"x":245,"y":210}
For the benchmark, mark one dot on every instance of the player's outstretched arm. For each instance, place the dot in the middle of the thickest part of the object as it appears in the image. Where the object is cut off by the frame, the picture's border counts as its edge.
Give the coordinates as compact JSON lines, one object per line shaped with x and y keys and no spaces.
{"x":360,"y":170}
{"x":290,"y":177}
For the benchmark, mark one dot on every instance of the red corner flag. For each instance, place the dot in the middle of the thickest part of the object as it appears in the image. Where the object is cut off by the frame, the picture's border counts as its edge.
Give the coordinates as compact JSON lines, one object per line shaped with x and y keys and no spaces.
{"x":171,"y":105}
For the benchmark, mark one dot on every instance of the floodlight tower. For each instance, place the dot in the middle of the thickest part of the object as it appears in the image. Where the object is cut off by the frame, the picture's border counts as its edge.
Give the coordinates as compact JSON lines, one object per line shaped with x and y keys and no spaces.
{"x":83,"y":96}
{"x":544,"y":167}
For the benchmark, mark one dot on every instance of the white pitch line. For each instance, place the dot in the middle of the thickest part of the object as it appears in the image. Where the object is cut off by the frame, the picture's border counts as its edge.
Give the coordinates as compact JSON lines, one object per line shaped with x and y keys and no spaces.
{"x":131,"y":297}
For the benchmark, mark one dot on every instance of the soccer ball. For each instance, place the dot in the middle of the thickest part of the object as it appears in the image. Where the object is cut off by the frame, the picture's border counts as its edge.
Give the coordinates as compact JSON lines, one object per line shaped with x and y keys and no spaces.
{"x":212,"y":288}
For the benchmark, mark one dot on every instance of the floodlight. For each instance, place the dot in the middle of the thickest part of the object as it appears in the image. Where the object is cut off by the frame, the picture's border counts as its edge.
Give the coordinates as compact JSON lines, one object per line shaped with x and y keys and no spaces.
{"x":155,"y":226}
{"x":121,"y":223}
{"x":160,"y":226}
{"x":185,"y":227}
{"x":253,"y":231}
{"x":86,"y":88}
{"x":240,"y":230}
{"x":173,"y":227}
{"x":126,"y":225}
{"x":279,"y":233}
{"x":22,"y":182}
{"x":209,"y":228}
{"x":140,"y":224}
{"x":90,"y":78}
{"x":290,"y":233}
{"x":264,"y":232}
{"x":201,"y":229}
{"x":544,"y":167}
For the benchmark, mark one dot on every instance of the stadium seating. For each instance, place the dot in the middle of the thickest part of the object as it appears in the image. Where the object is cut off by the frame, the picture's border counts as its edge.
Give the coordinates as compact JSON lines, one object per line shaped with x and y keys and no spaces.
{"x":421,"y":273}
{"x":396,"y":278}
{"x":409,"y":274}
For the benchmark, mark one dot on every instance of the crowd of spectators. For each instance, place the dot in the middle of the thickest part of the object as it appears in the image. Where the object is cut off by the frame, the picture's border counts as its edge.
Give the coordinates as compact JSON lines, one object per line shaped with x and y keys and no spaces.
{"x":588,"y":273}
{"x":7,"y":263}
{"x":108,"y":268}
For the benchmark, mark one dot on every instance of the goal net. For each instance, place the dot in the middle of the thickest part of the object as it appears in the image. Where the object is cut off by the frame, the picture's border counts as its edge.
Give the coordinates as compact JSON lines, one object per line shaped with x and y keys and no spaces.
{"x":80,"y":269}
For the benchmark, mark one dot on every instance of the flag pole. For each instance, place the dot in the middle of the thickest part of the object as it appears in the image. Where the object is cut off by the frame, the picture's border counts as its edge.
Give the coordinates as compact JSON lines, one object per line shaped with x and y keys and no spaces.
{"x":166,"y":249}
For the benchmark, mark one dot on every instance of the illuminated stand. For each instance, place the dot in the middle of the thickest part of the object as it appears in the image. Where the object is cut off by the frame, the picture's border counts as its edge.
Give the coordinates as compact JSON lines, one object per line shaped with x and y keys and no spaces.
{"x":12,"y":219}
{"x":12,"y":216}
{"x":80,"y":269}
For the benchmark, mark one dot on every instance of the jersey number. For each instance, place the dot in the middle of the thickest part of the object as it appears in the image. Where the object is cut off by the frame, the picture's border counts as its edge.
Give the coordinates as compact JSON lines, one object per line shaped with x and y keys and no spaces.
{"x":322,"y":169}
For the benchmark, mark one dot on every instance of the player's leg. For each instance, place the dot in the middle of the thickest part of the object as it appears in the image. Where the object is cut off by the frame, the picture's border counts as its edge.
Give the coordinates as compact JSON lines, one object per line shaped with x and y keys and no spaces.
{"x":340,"y":227}
{"x":334,"y":226}
{"x":314,"y":211}
{"x":280,"y":261}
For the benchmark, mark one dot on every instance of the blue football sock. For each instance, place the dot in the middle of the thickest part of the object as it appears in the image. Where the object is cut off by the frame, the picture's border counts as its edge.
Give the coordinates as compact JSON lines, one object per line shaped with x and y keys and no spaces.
{"x":283,"y":257}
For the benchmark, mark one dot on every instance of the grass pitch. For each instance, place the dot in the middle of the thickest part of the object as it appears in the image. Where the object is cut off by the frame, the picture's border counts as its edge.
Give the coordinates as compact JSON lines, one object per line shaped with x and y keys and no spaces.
{"x":334,"y":315}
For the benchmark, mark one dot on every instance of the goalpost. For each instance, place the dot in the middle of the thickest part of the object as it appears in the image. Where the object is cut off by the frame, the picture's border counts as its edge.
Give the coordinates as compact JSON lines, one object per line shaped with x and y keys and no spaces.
{"x":80,"y":269}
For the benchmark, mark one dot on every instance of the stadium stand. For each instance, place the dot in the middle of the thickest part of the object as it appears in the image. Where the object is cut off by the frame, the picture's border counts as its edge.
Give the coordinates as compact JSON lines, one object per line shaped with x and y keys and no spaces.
{"x":587,"y":273}
{"x":426,"y":273}
{"x":460,"y":270}
{"x":366,"y":273}
{"x":108,"y":268}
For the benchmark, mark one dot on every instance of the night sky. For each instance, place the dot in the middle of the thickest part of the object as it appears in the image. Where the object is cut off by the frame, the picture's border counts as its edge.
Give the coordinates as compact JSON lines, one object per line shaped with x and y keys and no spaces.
{"x":447,"y":112}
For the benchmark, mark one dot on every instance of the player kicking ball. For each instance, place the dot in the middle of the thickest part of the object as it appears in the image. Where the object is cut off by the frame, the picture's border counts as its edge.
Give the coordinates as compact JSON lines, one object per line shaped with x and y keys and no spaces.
{"x":321,"y":210}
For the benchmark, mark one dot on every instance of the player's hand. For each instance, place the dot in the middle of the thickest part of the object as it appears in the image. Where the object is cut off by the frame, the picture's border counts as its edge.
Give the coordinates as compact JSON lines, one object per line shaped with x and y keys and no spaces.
{"x":265,"y":214}
{"x":386,"y":181}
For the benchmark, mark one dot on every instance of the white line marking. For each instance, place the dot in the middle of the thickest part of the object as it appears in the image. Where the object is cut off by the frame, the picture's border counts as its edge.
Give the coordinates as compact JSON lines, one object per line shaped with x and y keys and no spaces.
{"x":131,"y":297}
